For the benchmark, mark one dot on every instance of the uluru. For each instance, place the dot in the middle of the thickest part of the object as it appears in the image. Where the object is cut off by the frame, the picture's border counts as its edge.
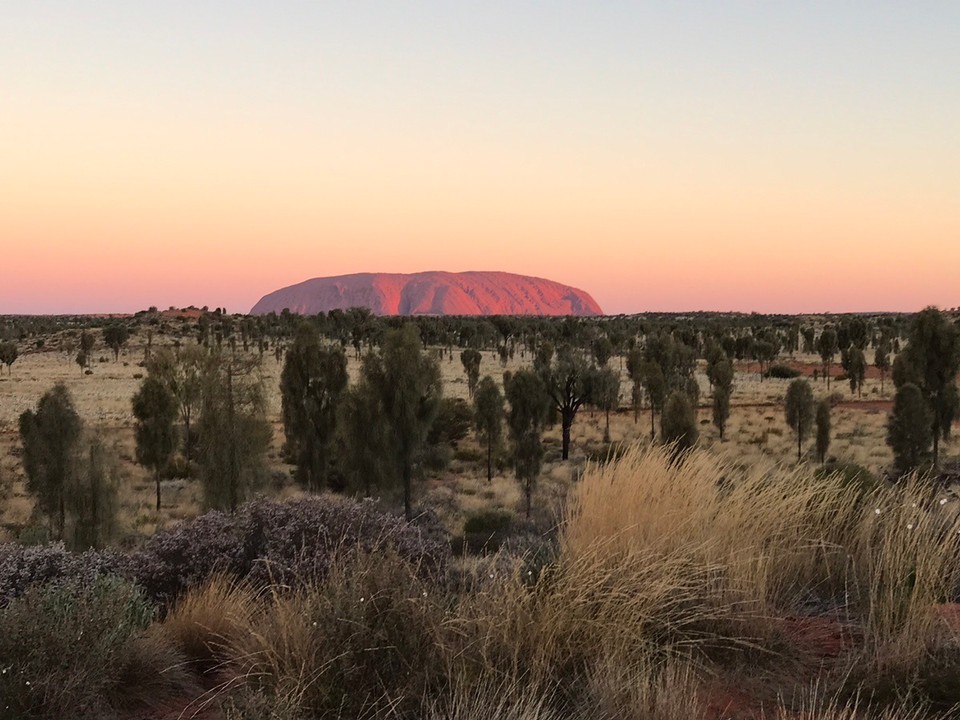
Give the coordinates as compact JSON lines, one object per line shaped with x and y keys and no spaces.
{"x":431,"y":293}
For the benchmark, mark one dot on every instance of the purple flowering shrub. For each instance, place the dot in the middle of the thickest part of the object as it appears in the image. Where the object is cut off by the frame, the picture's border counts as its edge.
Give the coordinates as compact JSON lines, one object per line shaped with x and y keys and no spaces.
{"x":278,"y":543}
{"x":26,"y":567}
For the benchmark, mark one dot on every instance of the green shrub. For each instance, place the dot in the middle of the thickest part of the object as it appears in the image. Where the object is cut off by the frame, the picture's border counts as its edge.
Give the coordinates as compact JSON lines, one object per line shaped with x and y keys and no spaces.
{"x":850,"y":474}
{"x":781,"y":372}
{"x":63,"y":647}
{"x":485,"y":531}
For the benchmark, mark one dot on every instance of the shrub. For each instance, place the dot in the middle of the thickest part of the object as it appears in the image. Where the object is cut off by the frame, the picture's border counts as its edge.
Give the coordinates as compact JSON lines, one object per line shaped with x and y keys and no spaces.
{"x":23,"y":568}
{"x":781,"y":372}
{"x":266,"y":542}
{"x":850,"y":474}
{"x":485,"y":531}
{"x":367,"y":642}
{"x":66,"y":646}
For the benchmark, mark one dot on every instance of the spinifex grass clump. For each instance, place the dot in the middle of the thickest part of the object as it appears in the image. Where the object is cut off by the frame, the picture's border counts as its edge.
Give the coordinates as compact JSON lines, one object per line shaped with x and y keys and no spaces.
{"x":776,"y":541}
{"x":272,"y":543}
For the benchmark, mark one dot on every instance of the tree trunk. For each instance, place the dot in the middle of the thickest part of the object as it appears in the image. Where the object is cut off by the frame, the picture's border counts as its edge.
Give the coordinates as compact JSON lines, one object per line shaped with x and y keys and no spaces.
{"x":156,"y":474}
{"x":566,"y":439}
{"x":653,"y":423}
{"x":606,"y":430}
{"x":936,"y":443}
{"x":489,"y":458}
{"x":407,"y":507}
{"x":528,"y":492}
{"x":799,"y":441}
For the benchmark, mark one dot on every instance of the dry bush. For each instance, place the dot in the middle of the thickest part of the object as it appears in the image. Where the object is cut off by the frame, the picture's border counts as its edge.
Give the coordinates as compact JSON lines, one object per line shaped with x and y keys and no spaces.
{"x":364,"y":643}
{"x":210,"y":619}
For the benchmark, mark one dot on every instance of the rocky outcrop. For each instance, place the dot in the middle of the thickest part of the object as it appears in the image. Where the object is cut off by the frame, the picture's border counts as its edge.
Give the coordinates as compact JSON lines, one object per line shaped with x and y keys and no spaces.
{"x":431,"y":293}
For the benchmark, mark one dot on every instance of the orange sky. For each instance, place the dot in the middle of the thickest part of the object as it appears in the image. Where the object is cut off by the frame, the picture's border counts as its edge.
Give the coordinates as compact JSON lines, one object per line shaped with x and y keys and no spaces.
{"x":750,"y":161}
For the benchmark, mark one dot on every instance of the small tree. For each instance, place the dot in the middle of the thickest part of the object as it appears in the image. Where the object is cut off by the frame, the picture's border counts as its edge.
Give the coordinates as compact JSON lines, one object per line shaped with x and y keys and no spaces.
{"x":115,"y":336}
{"x":656,"y":385}
{"x":908,"y":429}
{"x":91,"y":496}
{"x":311,"y":384}
{"x":679,"y":421}
{"x":635,"y":373}
{"x":183,"y":375}
{"x":799,"y":411}
{"x":567,"y":382}
{"x":8,"y":354}
{"x":602,"y":350}
{"x":234,"y":432}
{"x":406,"y":382}
{"x":529,"y":405}
{"x":823,"y":429}
{"x":155,"y":410}
{"x":364,"y":442}
{"x":856,"y":370}
{"x":471,"y":359}
{"x":605,"y":392}
{"x":721,"y":409}
{"x":931,"y":361}
{"x":827,"y":347}
{"x":49,"y":436}
{"x":488,"y":418}
{"x":881,"y":360}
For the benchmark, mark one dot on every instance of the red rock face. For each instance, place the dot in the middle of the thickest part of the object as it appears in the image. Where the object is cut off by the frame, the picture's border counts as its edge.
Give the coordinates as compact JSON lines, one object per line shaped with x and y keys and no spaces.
{"x":431,"y":293}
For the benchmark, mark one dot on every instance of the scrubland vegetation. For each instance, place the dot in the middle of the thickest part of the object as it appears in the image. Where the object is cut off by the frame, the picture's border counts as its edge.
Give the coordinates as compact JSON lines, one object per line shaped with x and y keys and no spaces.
{"x":650,"y":517}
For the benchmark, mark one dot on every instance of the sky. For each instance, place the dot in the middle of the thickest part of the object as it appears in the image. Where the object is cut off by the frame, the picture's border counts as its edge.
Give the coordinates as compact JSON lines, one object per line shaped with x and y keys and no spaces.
{"x":752,"y":156}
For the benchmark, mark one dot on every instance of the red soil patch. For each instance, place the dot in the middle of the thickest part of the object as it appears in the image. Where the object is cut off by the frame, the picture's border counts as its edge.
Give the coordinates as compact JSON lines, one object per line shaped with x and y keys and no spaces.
{"x":822,"y":638}
{"x":724,"y":700}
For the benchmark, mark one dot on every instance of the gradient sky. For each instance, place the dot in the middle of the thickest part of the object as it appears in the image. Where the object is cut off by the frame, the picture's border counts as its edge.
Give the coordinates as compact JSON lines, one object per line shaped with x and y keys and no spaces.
{"x":770,"y":156}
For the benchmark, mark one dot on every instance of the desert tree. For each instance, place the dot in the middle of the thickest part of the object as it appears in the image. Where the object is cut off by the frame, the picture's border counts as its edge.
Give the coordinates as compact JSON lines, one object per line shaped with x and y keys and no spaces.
{"x":49,"y":436}
{"x":115,"y":336}
{"x":909,"y":428}
{"x":470,"y":359}
{"x":823,"y":429}
{"x":881,"y":360}
{"x":155,"y":410}
{"x":183,"y":374}
{"x":82,"y":359}
{"x":234,"y":434}
{"x":364,"y":441}
{"x":567,"y":381}
{"x":721,"y":409}
{"x":312,"y":382}
{"x":488,"y":417}
{"x":799,"y":411}
{"x":8,"y":354}
{"x":92,"y":495}
{"x":656,"y":386}
{"x":87,"y":342}
{"x":635,"y":369}
{"x":931,"y":361}
{"x":827,"y":348}
{"x":602,"y":349}
{"x":679,"y":423}
{"x":406,"y":382}
{"x":855,"y":366}
{"x":529,"y":404}
{"x":605,"y":393}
